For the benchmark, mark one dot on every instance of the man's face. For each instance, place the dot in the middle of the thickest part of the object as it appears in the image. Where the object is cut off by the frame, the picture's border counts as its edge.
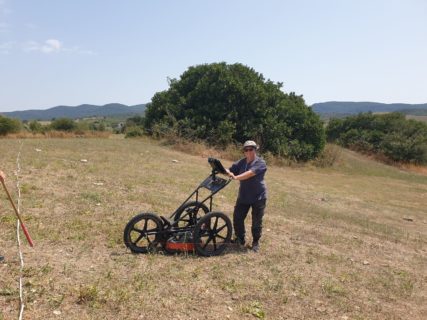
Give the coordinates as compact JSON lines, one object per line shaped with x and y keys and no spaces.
{"x":249,"y":152}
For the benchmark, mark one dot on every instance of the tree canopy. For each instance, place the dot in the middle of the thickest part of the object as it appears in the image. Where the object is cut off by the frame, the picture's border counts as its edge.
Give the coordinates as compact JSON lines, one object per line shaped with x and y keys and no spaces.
{"x":227,"y":103}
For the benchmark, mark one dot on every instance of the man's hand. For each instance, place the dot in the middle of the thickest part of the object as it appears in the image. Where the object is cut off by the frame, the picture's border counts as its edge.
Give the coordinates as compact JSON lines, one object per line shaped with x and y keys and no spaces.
{"x":2,"y":176}
{"x":245,"y":175}
{"x":230,"y":174}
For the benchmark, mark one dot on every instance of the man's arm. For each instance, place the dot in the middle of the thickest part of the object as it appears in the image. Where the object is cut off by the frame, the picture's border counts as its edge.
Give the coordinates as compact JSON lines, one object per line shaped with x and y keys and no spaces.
{"x":258,"y":168}
{"x":245,"y":175}
{"x":2,"y":176}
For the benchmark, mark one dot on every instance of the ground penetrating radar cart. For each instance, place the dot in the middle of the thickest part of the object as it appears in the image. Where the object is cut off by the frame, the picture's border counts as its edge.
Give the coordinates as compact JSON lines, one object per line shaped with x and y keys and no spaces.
{"x":192,"y":227}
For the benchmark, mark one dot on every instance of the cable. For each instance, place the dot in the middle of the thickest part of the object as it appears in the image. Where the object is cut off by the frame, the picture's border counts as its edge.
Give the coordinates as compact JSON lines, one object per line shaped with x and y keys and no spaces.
{"x":18,"y":225}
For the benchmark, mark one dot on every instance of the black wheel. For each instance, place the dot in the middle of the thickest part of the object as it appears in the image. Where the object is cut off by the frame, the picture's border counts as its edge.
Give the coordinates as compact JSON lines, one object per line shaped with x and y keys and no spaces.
{"x":212,"y":234}
{"x":142,"y":233}
{"x":190,"y":213}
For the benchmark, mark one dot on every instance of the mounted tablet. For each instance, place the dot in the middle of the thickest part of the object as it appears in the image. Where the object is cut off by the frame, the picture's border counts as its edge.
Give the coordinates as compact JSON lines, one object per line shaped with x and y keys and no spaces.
{"x":217,"y":166}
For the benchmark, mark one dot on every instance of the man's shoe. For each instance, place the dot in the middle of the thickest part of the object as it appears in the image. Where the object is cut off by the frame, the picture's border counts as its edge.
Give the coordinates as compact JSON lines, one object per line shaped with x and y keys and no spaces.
{"x":1,"y":258}
{"x":238,"y":241}
{"x":255,"y":246}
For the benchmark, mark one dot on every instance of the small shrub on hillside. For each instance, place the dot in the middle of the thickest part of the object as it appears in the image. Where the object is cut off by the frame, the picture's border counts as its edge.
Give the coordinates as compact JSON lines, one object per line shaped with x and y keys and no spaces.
{"x":8,"y":125}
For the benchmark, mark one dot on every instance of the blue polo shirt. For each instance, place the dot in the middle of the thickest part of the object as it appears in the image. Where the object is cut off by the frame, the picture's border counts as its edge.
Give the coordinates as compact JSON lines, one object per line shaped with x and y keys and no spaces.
{"x":252,"y":189}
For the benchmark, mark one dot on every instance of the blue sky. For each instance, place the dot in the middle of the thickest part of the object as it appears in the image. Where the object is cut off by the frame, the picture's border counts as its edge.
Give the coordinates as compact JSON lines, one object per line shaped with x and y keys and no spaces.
{"x":91,"y":51}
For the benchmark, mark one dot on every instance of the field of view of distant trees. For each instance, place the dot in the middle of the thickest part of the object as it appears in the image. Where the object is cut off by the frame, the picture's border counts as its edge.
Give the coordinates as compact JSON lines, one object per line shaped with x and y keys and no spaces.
{"x":223,"y":104}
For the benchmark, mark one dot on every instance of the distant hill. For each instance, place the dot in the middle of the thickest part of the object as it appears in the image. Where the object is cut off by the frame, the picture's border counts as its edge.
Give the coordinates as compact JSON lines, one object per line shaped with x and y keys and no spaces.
{"x":343,"y":108}
{"x":325,"y":109}
{"x":82,"y":111}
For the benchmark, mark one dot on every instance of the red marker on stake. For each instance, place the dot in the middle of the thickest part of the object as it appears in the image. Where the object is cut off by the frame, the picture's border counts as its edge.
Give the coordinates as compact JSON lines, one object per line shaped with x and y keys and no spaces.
{"x":27,"y":235}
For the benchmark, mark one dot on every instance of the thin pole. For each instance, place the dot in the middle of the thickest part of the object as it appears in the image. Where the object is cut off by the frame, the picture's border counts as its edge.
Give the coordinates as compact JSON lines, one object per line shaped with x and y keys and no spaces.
{"x":27,"y":234}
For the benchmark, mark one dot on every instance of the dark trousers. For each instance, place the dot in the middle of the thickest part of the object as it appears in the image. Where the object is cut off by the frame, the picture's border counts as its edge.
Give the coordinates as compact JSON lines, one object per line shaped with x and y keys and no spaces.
{"x":241,"y":211}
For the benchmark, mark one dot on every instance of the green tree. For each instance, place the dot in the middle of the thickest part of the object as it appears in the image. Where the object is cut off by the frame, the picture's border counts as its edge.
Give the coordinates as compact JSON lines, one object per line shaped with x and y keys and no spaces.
{"x":408,"y":144}
{"x":8,"y":125}
{"x":222,"y":104}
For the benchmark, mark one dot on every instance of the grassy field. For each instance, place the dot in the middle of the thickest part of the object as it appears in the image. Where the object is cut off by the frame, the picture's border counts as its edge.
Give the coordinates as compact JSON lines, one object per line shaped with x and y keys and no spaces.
{"x":419,"y":118}
{"x":347,"y":242}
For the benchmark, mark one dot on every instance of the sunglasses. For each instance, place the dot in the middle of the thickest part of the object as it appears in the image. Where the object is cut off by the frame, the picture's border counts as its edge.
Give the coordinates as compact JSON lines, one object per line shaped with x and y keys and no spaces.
{"x":248,"y":149}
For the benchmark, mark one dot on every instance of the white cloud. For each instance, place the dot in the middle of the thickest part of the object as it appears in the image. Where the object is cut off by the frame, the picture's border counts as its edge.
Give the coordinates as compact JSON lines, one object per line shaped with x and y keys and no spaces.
{"x":51,"y":45}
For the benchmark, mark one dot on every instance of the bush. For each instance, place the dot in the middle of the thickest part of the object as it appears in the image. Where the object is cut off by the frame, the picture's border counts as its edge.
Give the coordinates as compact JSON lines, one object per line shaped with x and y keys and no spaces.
{"x":97,"y":126}
{"x":36,"y":127}
{"x":388,"y":134}
{"x":8,"y":125}
{"x":134,"y":131}
{"x":63,"y":124}
{"x":223,"y":104}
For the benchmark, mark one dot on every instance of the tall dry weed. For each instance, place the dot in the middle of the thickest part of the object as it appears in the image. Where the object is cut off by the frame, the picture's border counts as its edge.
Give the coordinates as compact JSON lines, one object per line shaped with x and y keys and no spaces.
{"x":330,"y":155}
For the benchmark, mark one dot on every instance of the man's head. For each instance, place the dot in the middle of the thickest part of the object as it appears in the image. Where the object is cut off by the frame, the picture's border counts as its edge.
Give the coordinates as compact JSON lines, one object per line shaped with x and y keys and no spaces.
{"x":249,"y":148}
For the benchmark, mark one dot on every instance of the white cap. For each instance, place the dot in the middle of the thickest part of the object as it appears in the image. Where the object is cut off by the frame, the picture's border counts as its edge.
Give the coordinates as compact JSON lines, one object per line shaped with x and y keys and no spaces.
{"x":250,"y":143}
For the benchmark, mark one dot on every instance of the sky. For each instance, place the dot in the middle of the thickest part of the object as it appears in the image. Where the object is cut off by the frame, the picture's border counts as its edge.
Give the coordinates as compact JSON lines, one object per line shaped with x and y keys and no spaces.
{"x":103,"y":51}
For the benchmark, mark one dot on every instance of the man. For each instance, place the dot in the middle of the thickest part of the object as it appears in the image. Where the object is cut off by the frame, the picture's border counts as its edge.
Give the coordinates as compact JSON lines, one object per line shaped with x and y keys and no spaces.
{"x":250,"y":172}
{"x":2,"y":177}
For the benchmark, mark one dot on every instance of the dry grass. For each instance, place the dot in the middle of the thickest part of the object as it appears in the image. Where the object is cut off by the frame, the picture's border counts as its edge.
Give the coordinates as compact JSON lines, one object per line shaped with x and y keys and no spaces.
{"x":419,"y":118}
{"x":415,"y":168}
{"x":200,"y":149}
{"x":335,"y":245}
{"x":58,"y":134}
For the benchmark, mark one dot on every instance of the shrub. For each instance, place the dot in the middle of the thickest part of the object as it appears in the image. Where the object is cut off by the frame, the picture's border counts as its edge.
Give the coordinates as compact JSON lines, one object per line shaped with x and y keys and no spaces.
{"x":63,"y":124}
{"x":8,"y":125}
{"x":134,"y":131}
{"x":388,"y":134}
{"x":36,"y":127}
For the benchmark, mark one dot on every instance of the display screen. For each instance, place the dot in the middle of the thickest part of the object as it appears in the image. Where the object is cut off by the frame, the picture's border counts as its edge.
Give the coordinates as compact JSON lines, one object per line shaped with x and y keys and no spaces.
{"x":217,"y":165}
